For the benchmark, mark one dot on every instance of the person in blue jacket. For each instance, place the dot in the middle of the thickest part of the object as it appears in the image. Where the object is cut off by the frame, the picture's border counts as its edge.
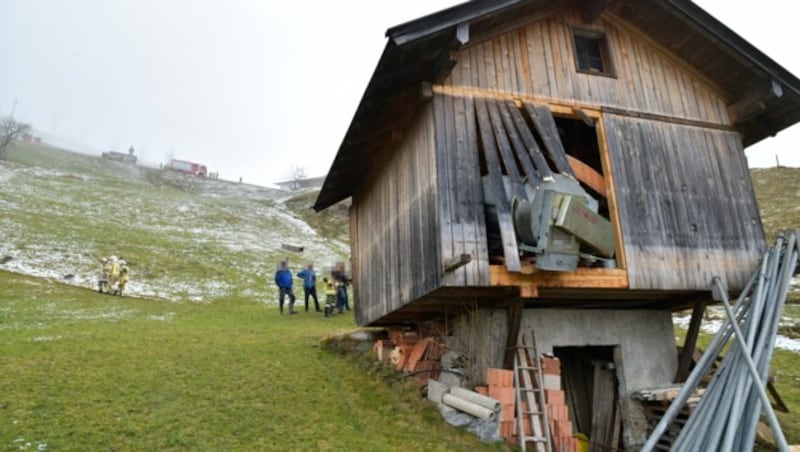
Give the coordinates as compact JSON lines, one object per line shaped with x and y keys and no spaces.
{"x":283,"y":279}
{"x":309,"y":277}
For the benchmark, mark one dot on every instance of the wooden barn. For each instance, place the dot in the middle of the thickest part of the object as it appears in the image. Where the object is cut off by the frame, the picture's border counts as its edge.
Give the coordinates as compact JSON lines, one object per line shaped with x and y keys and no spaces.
{"x":570,"y":167}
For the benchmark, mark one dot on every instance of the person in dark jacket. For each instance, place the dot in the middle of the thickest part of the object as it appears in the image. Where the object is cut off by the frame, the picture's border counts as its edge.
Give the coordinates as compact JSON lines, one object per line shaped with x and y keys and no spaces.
{"x":283,"y":279}
{"x":342,"y":281}
{"x":309,"y":277}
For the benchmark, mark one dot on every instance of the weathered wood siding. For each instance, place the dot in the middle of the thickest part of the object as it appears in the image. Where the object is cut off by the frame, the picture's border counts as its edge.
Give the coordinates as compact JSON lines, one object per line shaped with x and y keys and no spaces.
{"x":686,"y":204}
{"x":537,"y":59}
{"x":462,"y":222}
{"x":396,"y":257}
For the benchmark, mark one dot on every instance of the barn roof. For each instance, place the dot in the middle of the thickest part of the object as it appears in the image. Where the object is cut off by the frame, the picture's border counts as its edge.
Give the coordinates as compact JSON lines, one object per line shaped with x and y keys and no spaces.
{"x":419,"y":51}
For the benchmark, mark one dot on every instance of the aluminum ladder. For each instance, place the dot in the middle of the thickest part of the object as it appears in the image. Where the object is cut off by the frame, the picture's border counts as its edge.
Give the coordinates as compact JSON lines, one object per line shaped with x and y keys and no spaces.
{"x":529,"y":388}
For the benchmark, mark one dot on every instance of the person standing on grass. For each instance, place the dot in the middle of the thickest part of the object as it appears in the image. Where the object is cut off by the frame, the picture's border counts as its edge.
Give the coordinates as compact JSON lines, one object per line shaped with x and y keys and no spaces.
{"x":342,"y":281}
{"x":309,"y":277}
{"x":283,"y":279}
{"x":330,"y":296}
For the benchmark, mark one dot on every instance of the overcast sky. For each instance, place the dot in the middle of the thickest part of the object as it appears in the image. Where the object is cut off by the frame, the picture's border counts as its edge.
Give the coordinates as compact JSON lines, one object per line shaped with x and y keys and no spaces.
{"x":251,"y":88}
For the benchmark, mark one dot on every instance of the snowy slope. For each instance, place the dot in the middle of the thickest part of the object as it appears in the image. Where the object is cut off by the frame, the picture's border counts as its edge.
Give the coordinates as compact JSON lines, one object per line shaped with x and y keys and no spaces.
{"x":185,"y":238}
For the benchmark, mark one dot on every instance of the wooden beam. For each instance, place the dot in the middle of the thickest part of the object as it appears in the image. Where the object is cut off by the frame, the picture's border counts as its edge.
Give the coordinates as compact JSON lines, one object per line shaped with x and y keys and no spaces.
{"x":545,"y":124}
{"x":689,"y":344}
{"x":497,"y":191}
{"x":534,"y":152}
{"x":588,"y":120}
{"x":519,"y":148}
{"x":514,"y":324}
{"x":588,"y":175}
{"x":457,"y":261}
{"x":506,"y":153}
{"x":779,"y":404}
{"x":295,"y":248}
{"x":582,"y":277}
{"x":754,"y":102}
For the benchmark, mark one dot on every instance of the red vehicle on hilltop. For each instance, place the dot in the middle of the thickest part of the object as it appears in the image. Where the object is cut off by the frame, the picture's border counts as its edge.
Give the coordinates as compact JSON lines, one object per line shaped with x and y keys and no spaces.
{"x":182,"y":166}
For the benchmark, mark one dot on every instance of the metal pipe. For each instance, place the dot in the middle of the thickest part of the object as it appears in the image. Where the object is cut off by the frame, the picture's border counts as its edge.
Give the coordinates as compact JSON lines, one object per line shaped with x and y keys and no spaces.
{"x":791,"y":256}
{"x":700,"y":370}
{"x":773,"y":420}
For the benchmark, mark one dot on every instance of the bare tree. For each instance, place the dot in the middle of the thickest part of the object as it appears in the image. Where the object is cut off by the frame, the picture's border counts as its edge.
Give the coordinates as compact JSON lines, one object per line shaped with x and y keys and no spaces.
{"x":10,"y":130}
{"x":296,"y":174}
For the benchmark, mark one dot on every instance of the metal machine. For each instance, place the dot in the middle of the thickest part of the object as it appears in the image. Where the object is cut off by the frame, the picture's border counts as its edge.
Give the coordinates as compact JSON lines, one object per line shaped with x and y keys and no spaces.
{"x":556,"y":220}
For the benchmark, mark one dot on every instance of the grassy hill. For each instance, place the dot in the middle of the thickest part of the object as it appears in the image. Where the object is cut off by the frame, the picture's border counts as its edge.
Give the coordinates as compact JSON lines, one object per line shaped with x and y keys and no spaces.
{"x":778,"y":195}
{"x":184,"y":237}
{"x":216,"y":367}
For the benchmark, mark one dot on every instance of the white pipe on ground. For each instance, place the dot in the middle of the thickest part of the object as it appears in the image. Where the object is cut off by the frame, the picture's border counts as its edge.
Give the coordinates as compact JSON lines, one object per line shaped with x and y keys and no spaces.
{"x":474,"y":397}
{"x":468,"y":407}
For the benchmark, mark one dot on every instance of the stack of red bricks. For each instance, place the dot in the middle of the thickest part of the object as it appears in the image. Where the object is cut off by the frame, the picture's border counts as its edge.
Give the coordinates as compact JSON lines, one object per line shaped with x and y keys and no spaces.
{"x":556,"y":406}
{"x":425,"y":360}
{"x":410,"y":354}
{"x":500,"y":386}
{"x":404,"y":342}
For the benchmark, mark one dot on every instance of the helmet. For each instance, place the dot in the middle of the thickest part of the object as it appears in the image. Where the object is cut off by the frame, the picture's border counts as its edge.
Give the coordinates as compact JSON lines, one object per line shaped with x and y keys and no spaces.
{"x":122,"y":262}
{"x":104,"y":260}
{"x":113,"y":258}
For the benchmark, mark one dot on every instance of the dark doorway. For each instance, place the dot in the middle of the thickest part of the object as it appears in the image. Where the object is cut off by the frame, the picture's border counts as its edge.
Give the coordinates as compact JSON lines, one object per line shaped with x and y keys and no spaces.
{"x":590,"y":384}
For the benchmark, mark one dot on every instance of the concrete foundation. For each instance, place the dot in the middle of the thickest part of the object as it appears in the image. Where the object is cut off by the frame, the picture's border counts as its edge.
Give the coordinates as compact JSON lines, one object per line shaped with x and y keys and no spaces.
{"x":643,"y":340}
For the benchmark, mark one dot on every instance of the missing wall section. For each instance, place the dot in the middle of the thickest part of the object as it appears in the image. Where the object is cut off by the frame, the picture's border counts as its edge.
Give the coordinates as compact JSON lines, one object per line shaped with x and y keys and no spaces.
{"x":544,"y":188}
{"x":588,"y":375}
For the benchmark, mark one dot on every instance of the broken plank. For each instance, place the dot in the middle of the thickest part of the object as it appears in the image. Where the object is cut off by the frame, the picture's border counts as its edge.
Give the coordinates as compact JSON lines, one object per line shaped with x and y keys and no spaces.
{"x":455,"y":262}
{"x":519,"y":147}
{"x":546,"y":126}
{"x":526,"y":134}
{"x":588,"y":175}
{"x":497,"y":191}
{"x":504,"y":146}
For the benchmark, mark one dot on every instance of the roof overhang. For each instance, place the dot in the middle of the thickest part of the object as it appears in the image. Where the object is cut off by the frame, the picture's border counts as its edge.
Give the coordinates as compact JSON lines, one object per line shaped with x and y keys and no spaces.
{"x":765,"y":97}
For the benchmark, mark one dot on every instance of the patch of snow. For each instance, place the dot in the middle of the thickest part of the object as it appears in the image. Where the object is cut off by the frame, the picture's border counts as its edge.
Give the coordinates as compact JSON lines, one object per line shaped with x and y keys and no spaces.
{"x":712,"y":327}
{"x":45,"y":338}
{"x":167,"y":317}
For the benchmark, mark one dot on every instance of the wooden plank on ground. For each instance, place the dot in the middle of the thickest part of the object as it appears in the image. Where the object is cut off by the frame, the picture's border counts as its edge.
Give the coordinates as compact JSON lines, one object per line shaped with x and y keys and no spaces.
{"x":497,"y":192}
{"x":546,"y":126}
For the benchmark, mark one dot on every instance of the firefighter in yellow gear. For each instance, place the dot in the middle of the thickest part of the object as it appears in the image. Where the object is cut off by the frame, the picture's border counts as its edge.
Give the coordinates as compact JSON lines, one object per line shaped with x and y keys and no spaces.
{"x":330,"y":296}
{"x":123,"y":277}
{"x":113,"y":273}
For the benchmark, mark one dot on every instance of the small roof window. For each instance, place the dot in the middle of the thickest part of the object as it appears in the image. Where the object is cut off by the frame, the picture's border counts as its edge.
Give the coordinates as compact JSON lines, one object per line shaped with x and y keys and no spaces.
{"x":591,"y":52}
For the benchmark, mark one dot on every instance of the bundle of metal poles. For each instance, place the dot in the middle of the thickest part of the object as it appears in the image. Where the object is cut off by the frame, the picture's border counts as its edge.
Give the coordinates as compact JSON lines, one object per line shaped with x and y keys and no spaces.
{"x":727,"y":414}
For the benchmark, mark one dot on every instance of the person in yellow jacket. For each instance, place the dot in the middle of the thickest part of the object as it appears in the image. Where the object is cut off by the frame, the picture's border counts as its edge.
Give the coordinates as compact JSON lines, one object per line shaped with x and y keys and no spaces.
{"x":330,"y":296}
{"x":123,"y":277}
{"x":113,"y":273}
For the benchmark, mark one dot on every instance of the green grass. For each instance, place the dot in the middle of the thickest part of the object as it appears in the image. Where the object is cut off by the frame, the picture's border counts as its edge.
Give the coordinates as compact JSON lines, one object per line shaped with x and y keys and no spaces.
{"x":84,"y":371}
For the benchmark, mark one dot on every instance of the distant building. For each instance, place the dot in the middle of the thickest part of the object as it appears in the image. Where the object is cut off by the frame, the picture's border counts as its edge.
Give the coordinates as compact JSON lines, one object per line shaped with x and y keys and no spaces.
{"x":297,"y":184}
{"x":120,"y":157}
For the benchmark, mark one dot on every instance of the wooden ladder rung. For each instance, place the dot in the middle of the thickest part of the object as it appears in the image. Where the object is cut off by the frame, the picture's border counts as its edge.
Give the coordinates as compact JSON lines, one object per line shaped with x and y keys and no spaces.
{"x":537,"y":439}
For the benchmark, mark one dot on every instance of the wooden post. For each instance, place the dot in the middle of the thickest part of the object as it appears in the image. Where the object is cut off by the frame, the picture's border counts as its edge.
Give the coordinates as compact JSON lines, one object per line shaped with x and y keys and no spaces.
{"x":691,"y":341}
{"x":514,"y":324}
